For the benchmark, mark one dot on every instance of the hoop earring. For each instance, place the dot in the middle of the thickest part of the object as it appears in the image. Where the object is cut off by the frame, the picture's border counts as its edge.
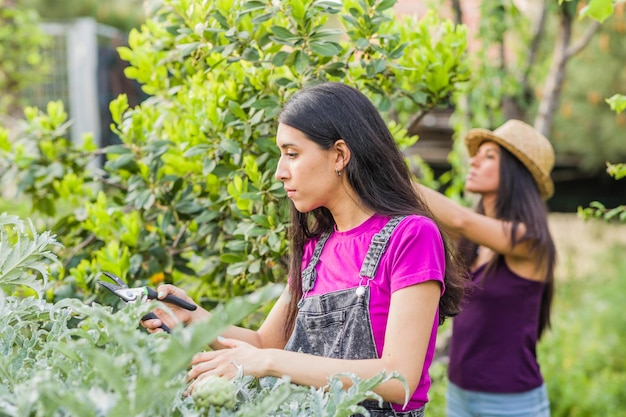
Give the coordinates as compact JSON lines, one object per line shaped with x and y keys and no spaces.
{"x":339,"y":173}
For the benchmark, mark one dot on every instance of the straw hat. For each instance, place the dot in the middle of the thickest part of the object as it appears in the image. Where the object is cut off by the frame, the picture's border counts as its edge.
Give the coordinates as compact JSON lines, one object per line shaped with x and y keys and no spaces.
{"x":526,"y":143}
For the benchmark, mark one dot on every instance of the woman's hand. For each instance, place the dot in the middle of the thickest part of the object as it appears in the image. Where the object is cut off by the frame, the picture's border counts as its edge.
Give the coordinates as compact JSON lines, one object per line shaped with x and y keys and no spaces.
{"x":237,"y":356}
{"x":173,"y":315}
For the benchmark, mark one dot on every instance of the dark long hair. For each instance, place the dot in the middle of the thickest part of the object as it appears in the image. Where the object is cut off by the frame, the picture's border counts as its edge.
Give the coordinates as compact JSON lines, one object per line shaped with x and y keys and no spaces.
{"x":519,"y":202}
{"x":377,"y":171}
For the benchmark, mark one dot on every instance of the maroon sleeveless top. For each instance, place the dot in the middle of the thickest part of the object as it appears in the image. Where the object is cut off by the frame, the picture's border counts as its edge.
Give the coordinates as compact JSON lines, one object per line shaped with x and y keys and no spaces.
{"x":494,"y":338}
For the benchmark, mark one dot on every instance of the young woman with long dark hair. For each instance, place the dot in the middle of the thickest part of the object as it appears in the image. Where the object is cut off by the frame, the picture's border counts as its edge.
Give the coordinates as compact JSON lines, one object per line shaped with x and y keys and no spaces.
{"x":371,"y":276}
{"x":506,"y":244}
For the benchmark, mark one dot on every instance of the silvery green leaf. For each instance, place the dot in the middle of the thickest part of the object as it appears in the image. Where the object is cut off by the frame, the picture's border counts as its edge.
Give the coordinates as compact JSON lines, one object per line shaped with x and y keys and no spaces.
{"x":25,"y":255}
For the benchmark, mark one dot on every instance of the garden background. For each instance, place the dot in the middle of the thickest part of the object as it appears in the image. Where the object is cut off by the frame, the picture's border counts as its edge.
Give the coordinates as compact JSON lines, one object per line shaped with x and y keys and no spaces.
{"x":184,"y":192}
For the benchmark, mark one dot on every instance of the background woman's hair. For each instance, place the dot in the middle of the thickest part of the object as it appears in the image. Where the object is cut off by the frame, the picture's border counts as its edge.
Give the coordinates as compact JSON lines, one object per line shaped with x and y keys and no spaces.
{"x":519,"y":201}
{"x":377,"y":171}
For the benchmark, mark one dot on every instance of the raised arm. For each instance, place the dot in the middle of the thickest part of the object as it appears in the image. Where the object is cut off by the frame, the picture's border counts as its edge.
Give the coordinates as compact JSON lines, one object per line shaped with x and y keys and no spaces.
{"x":481,"y":229}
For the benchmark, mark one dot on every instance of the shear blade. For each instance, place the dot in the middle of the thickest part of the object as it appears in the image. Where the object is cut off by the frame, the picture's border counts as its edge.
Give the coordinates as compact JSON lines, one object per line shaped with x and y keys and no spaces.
{"x":118,"y":280}
{"x":109,"y":286}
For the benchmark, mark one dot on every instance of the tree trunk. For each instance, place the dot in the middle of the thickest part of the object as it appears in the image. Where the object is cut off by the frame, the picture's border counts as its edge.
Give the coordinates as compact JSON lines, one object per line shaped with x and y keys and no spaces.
{"x":563,"y":51}
{"x":458,"y":11}
{"x":554,"y":81}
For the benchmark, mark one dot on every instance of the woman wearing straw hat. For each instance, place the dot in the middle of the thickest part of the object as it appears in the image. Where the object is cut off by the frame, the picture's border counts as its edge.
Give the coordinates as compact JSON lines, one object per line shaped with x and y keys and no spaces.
{"x":506,"y":244}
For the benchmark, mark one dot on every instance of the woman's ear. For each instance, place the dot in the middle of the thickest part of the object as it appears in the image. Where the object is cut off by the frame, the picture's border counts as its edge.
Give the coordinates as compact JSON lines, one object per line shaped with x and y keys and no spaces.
{"x":343,"y":155}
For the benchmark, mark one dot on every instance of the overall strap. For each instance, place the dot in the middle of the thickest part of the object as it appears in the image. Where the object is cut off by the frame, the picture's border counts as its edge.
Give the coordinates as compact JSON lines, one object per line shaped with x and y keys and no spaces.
{"x":377,"y":248}
{"x":370,"y":264}
{"x":309,"y":275}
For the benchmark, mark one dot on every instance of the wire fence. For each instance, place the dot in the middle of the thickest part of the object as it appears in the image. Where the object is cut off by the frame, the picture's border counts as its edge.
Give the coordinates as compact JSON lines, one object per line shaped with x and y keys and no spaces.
{"x":85,"y":73}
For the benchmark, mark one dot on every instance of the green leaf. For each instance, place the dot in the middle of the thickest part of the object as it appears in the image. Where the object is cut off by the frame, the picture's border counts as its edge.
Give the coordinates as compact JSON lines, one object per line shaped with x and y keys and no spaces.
{"x":617,"y":171}
{"x":325,"y":48}
{"x":236,"y":268}
{"x":117,"y":107}
{"x":236,"y":109}
{"x":230,"y":258}
{"x":385,"y":5}
{"x":266,"y":103}
{"x":283,"y":33}
{"x":122,"y":162}
{"x":597,"y":205}
{"x":297,"y":9}
{"x":251,"y":54}
{"x":230,"y":146}
{"x":617,"y":103}
{"x":25,"y":255}
{"x":301,"y":61}
{"x":188,"y":207}
{"x":612,"y":213}
{"x":279,"y":59}
{"x":117,"y":149}
{"x":599,"y":10}
{"x":201,"y":149}
{"x":188,"y":48}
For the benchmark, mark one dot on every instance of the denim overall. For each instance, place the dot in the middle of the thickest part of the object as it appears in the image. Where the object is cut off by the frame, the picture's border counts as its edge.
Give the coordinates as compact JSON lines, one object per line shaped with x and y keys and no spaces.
{"x":337,"y":324}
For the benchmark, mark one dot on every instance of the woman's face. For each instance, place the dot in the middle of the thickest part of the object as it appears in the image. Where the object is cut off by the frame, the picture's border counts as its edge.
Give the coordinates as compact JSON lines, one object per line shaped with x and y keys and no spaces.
{"x":306,"y":170}
{"x":484,"y":174}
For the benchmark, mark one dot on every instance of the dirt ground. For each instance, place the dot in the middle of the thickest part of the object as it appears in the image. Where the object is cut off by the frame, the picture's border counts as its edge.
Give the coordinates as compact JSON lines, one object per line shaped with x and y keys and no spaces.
{"x":580,"y":243}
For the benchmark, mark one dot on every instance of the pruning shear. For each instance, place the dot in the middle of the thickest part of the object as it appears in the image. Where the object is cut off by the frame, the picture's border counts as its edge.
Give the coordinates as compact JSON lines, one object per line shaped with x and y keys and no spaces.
{"x":131,"y":295}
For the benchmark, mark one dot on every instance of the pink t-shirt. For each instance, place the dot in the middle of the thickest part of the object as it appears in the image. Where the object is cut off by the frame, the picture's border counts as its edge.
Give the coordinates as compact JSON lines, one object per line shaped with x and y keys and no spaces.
{"x":415,"y":254}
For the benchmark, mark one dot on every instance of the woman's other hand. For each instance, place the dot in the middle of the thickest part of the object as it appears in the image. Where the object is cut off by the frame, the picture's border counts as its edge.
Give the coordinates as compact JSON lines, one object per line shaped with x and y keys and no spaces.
{"x":236,"y":357}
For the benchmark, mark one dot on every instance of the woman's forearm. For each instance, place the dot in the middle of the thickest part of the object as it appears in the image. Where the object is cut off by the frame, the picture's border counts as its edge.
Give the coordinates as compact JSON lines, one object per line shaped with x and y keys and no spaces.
{"x":304,"y":369}
{"x":449,"y":213}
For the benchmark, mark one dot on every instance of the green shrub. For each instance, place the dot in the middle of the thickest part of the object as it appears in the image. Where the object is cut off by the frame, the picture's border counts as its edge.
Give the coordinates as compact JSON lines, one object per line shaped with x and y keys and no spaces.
{"x":582,"y":357}
{"x":21,"y":62}
{"x":189,"y":195}
{"x":436,"y":406}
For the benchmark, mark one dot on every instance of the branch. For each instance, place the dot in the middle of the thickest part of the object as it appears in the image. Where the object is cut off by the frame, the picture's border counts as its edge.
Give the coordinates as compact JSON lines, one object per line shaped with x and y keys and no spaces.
{"x":564,"y":50}
{"x":107,"y":181}
{"x":179,"y":236}
{"x":554,"y":80}
{"x":78,"y":248}
{"x":415,"y":121}
{"x":583,"y":41}
{"x":458,"y":11}
{"x":534,"y":46}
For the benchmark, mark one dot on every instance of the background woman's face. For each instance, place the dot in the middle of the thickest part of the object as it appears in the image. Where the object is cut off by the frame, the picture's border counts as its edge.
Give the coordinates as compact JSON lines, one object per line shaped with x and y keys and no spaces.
{"x":484,"y":174}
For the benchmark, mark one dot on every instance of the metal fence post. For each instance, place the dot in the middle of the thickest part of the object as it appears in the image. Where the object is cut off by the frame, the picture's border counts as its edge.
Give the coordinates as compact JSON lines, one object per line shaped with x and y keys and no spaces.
{"x":82,"y":61}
